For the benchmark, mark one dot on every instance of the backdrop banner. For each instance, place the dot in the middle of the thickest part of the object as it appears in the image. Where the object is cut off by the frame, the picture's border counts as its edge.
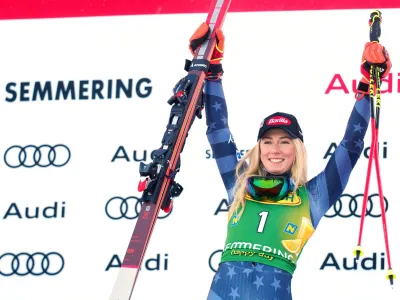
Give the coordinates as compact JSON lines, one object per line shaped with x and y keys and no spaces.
{"x":84,"y":100}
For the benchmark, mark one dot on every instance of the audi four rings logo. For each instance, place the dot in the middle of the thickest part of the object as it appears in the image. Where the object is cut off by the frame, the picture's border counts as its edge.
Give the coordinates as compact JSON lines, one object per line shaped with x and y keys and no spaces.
{"x":41,"y":156}
{"x":214,"y":260}
{"x":36,"y":264}
{"x":351,"y":206}
{"x":128,"y":208}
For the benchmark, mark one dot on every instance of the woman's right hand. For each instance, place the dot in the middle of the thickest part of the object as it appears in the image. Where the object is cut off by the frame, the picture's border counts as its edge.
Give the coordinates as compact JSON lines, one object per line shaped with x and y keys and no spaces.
{"x":201,"y":34}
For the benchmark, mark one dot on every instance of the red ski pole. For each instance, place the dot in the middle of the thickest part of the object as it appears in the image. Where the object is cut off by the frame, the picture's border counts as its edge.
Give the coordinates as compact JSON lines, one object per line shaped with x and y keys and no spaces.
{"x":390,"y":274}
{"x":374,"y":36}
{"x":375,"y":30}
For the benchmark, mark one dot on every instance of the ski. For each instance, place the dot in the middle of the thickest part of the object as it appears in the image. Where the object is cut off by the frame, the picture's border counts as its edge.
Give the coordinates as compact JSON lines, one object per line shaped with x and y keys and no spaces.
{"x":159,"y":186}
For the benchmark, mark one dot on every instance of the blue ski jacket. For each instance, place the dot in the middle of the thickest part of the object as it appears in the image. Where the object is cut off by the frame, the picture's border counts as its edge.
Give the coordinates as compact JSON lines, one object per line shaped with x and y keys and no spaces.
{"x":323,"y":189}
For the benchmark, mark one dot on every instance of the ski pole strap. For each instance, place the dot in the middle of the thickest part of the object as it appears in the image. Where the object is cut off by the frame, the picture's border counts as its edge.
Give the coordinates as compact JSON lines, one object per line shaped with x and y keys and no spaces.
{"x":203,"y":65}
{"x":375,"y":26}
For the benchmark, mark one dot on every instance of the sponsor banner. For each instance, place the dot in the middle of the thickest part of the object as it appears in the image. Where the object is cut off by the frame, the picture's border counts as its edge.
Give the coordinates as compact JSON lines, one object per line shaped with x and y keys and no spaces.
{"x":84,"y":102}
{"x":346,"y":206}
{"x":77,"y":90}
{"x":88,"y":8}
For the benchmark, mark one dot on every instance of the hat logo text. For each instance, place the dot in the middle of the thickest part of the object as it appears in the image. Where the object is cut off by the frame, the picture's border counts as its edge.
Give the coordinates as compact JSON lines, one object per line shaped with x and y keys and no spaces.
{"x":278,"y":121}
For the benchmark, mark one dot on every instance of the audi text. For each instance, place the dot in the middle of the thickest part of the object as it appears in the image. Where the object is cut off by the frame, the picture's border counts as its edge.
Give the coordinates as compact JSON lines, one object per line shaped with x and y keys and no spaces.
{"x":49,"y":212}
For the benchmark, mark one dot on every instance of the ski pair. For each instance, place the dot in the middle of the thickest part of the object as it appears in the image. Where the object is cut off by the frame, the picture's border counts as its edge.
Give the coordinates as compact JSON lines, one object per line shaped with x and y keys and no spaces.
{"x":375,"y":31}
{"x":159,"y":186}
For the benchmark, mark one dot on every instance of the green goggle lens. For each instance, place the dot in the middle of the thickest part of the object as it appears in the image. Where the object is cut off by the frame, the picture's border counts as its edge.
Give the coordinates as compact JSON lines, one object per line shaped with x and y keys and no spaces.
{"x":272,"y":188}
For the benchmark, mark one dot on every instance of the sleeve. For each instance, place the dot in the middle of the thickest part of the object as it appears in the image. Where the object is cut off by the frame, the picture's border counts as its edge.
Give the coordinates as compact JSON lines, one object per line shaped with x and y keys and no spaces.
{"x":219,"y":135}
{"x":325,"y":188}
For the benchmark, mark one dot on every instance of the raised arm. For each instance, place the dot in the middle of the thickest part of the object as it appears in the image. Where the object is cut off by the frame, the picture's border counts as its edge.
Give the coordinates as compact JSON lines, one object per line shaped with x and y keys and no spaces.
{"x":219,"y":134}
{"x":326,"y":187}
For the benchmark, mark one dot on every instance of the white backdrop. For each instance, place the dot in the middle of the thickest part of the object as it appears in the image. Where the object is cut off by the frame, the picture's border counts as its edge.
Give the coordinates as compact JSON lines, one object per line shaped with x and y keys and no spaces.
{"x":274,"y":61}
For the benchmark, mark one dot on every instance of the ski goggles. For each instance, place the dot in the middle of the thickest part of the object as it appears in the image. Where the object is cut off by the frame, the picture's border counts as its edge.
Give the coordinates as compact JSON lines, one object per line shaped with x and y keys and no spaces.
{"x":270,"y":187}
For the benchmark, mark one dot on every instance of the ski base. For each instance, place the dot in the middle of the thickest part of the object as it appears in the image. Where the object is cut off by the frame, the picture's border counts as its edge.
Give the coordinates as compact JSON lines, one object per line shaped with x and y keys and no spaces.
{"x":123,"y":286}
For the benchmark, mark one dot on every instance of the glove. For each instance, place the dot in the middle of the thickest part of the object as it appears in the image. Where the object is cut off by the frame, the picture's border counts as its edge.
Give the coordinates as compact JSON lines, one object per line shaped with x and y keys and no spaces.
{"x":201,"y":34}
{"x":198,"y":37}
{"x":374,"y":54}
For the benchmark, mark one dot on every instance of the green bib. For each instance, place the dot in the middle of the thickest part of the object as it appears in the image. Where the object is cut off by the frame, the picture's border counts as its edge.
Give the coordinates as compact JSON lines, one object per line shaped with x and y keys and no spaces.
{"x":270,"y":232}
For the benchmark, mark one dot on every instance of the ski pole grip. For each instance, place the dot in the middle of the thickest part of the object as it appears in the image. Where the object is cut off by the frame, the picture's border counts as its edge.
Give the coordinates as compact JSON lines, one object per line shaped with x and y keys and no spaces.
{"x":375,"y":26}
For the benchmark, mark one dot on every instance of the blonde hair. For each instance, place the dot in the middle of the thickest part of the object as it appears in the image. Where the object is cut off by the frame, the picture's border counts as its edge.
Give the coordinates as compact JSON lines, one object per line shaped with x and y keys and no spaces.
{"x":249,"y":166}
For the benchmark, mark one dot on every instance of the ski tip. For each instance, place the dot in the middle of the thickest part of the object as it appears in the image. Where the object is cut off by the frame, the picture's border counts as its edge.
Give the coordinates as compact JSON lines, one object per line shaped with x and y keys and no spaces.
{"x":125,"y":283}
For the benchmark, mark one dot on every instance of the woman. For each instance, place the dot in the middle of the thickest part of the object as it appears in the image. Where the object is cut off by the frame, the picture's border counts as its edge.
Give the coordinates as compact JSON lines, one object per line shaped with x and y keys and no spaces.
{"x":274,"y":209}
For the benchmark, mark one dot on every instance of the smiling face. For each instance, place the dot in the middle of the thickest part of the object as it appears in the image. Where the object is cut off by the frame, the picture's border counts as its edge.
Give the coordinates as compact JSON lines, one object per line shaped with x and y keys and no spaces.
{"x":277,"y":152}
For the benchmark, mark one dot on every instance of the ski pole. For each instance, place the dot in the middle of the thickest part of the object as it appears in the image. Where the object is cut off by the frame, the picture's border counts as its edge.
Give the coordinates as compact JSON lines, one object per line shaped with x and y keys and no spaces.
{"x":375,"y":31}
{"x":390,"y":274}
{"x":374,"y":36}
